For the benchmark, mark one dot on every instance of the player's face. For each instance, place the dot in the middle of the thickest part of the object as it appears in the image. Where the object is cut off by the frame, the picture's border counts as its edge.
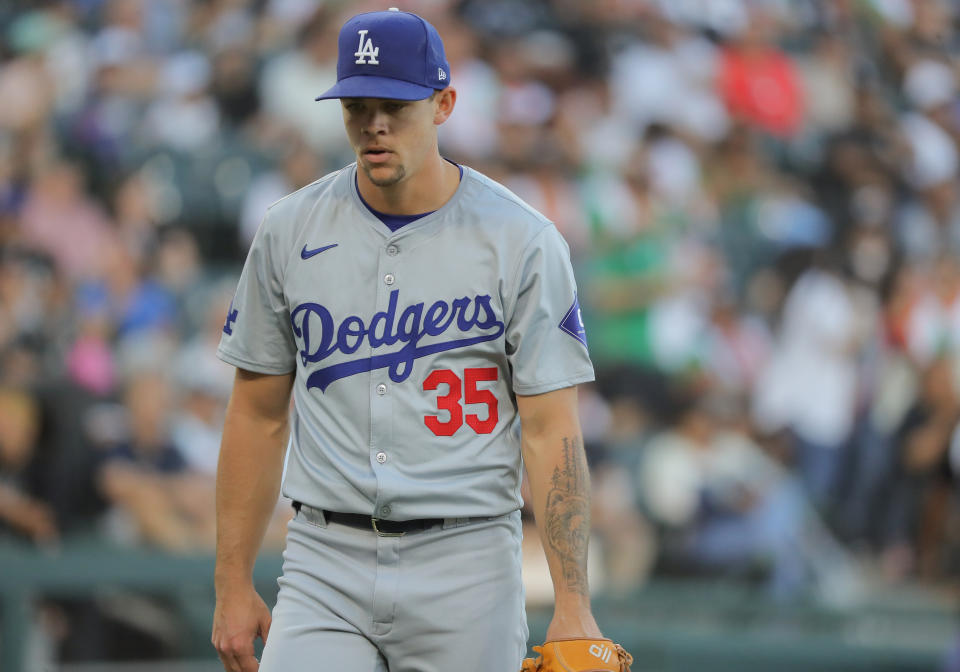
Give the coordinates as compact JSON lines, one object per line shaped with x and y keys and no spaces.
{"x":391,"y":138}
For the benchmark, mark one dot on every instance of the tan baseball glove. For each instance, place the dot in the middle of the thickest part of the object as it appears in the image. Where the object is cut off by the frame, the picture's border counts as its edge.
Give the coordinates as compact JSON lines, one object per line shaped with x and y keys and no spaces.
{"x":578,"y":655}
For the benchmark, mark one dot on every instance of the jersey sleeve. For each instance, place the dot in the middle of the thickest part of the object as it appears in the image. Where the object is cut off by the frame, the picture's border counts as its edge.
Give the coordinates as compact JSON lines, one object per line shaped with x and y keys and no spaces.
{"x":257,"y":334}
{"x":546,"y":342}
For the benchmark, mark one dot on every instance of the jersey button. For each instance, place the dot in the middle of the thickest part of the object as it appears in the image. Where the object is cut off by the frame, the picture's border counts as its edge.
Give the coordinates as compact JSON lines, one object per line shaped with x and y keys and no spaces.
{"x":385,"y":510}
{"x":381,"y":457}
{"x":381,"y":389}
{"x":388,"y":278}
{"x":393,"y":250}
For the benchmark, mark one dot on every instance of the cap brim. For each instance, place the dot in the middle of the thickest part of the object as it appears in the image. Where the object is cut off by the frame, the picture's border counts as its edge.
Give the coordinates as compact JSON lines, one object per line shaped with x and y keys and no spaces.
{"x":368,"y":86}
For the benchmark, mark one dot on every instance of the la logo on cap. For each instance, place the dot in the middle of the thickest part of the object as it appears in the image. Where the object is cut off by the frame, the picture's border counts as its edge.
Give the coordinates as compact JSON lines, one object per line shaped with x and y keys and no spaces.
{"x":366,"y":53}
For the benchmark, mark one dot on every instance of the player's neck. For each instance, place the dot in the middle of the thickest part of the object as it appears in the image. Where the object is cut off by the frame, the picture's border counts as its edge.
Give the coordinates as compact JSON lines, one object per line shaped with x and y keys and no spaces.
{"x":429,"y":189}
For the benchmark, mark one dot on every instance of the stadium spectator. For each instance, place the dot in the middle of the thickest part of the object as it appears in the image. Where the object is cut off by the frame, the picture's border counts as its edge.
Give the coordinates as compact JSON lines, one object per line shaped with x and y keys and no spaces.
{"x":22,"y":512}
{"x":922,"y":477}
{"x":724,"y":504}
{"x":759,"y":82}
{"x":146,"y":479}
{"x":810,"y":385}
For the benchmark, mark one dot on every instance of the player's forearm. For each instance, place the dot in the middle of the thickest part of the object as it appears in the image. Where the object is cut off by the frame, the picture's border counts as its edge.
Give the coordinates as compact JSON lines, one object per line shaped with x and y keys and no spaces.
{"x":560,"y":485}
{"x":248,"y":485}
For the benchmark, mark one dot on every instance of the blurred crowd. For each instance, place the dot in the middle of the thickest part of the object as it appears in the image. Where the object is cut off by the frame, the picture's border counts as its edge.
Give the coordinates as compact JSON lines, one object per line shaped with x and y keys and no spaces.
{"x":760,"y":198}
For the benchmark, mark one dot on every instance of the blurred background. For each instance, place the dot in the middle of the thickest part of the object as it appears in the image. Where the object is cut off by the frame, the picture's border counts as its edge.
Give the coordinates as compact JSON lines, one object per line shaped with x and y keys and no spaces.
{"x":761,"y":200}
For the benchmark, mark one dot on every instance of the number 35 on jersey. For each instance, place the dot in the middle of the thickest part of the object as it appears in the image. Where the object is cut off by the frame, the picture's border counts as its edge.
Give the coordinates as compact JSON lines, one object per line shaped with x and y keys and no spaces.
{"x":458,"y":392}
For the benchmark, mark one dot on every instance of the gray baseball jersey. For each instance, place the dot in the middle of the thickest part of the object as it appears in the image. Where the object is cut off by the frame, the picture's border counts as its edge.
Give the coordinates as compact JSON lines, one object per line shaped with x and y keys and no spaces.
{"x":409,"y":346}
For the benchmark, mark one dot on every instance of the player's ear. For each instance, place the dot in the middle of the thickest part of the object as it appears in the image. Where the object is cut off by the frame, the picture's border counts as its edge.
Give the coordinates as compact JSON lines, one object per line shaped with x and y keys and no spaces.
{"x":443,"y":103}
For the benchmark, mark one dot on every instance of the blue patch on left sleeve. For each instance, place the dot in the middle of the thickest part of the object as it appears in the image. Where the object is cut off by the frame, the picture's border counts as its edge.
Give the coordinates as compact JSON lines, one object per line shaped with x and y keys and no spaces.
{"x":231,"y":318}
{"x":572,"y":323}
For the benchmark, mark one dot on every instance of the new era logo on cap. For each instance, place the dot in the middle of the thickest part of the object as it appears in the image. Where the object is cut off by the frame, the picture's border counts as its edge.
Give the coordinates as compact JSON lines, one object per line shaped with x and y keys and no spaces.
{"x":389,"y":54}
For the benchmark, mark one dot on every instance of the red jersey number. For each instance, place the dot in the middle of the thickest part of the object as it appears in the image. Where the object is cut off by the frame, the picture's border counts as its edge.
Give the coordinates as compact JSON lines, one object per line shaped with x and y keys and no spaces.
{"x":468,"y":391}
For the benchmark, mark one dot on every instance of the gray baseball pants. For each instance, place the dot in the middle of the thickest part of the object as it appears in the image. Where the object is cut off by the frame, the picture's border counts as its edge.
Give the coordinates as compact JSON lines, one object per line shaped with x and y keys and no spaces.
{"x":436,"y":600}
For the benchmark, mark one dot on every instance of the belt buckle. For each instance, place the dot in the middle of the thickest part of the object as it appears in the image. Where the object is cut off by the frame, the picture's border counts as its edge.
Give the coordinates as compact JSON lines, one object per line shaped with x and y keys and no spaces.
{"x":384,"y":534}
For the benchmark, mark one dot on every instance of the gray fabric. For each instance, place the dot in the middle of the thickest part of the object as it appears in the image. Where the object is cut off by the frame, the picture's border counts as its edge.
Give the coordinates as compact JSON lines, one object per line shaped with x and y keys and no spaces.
{"x":431,"y":601}
{"x":482,"y":283}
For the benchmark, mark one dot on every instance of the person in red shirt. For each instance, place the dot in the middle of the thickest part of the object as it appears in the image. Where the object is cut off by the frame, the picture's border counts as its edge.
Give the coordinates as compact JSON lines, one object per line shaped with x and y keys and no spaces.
{"x":759,"y":83}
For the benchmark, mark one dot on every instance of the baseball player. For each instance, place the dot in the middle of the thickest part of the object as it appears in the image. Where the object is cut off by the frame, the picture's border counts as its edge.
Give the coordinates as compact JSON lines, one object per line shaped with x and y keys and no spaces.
{"x":421,"y":315}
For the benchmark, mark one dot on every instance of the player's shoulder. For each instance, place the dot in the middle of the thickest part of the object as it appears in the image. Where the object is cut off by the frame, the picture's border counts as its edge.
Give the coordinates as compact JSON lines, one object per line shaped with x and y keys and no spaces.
{"x":287,"y":208}
{"x":501,"y":207}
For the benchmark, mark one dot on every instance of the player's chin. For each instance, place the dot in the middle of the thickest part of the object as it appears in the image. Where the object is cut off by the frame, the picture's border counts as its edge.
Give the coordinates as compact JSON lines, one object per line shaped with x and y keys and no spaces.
{"x":385,"y":176}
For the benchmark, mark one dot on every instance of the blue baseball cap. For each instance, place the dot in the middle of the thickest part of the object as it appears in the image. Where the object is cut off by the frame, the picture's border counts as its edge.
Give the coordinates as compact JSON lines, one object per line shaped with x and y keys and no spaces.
{"x":389,"y":54}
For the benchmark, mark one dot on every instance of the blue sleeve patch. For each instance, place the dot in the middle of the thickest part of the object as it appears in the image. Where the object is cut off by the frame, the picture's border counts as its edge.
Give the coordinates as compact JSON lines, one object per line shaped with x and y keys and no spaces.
{"x":231,"y":318}
{"x":572,"y":323}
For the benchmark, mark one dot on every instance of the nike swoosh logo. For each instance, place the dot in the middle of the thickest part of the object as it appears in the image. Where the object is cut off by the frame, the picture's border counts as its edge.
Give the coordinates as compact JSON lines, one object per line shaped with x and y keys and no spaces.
{"x":306,"y":254}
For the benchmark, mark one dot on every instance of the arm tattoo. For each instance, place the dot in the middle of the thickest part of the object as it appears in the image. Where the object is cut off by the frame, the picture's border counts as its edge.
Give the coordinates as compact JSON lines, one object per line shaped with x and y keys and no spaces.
{"x":567,"y":516}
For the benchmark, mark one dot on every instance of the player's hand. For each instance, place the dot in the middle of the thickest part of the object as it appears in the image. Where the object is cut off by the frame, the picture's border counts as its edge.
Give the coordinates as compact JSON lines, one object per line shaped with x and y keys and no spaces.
{"x":240,"y":617}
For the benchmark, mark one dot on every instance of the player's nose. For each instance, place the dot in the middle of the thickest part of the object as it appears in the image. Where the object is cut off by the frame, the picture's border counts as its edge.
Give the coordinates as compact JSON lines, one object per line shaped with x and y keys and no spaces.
{"x":376,"y":123}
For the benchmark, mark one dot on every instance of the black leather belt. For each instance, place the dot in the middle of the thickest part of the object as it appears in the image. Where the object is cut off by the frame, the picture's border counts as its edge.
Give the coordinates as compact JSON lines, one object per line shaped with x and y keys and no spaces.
{"x":378,"y":525}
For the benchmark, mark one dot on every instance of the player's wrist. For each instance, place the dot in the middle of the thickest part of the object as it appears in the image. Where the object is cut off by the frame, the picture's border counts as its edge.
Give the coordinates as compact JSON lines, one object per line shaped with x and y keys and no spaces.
{"x":231,"y":576}
{"x":573,"y":602}
{"x":556,"y":633}
{"x":573,"y":621}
